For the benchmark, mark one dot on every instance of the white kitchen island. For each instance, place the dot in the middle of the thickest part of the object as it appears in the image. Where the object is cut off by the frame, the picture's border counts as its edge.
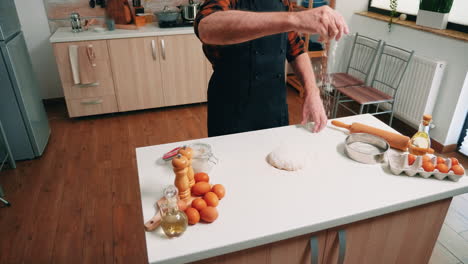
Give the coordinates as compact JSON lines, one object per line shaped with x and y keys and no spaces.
{"x":264,"y":205}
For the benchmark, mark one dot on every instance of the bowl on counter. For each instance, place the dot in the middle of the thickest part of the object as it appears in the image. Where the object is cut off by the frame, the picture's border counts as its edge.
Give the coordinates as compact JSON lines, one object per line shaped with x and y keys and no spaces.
{"x":366,"y":148}
{"x":168,"y":14}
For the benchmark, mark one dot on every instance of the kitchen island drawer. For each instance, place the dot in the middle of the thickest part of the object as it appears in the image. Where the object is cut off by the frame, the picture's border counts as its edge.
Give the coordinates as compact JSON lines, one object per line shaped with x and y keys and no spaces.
{"x":92,"y":106}
{"x":99,"y":55}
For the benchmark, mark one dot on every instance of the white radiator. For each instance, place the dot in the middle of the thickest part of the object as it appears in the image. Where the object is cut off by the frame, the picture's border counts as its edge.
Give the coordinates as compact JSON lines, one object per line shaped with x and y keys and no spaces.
{"x":418,"y":90}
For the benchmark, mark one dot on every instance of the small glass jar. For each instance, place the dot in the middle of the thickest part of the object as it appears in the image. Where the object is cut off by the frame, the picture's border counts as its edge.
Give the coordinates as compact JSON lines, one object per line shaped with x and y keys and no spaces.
{"x":203,"y":158}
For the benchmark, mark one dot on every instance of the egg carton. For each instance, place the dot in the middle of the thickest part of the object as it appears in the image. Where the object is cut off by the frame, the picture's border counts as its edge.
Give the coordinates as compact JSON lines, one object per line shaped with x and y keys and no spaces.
{"x":399,"y":164}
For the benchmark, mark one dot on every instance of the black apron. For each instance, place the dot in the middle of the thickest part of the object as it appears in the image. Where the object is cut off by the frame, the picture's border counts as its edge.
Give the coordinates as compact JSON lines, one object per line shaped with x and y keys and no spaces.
{"x":247,"y":90}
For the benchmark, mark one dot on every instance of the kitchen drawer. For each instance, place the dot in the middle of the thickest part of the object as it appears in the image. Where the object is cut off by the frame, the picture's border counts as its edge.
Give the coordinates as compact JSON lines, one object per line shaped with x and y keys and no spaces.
{"x":105,"y":83}
{"x":92,"y":106}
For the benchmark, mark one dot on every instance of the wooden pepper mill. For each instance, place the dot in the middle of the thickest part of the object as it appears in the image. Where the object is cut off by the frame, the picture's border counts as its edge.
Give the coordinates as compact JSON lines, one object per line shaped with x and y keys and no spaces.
{"x":188,"y":153}
{"x":180,"y":164}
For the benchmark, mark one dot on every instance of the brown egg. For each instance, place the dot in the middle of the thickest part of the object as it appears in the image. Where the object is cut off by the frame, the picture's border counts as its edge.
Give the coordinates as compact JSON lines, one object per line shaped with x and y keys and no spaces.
{"x":428,"y":166}
{"x":458,"y":170}
{"x":200,"y":188}
{"x":209,"y":214}
{"x":193,"y":215}
{"x":219,"y":190}
{"x":211,"y":199}
{"x":199,"y":204}
{"x":442,"y":167}
{"x":201,"y":176}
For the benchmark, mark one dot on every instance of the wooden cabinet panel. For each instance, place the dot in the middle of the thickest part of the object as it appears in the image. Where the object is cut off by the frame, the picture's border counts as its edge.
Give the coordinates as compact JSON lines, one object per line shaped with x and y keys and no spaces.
{"x":103,"y":70}
{"x":92,"y":106}
{"x":406,"y":236}
{"x":137,"y":73}
{"x":292,"y":251}
{"x":184,"y":70}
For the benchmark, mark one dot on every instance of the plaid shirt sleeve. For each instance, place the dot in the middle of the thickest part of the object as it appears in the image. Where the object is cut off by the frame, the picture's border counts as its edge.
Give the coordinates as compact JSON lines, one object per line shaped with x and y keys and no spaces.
{"x":209,"y":7}
{"x":295,"y":42}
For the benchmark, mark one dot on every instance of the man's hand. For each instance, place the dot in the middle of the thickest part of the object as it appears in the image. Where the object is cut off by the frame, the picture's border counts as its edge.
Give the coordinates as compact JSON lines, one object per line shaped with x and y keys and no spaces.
{"x":323,"y":20}
{"x":313,"y":110}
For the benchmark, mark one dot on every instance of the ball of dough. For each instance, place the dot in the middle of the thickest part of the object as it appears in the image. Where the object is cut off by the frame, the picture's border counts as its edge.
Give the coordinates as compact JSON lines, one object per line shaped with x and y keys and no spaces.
{"x":290,"y":158}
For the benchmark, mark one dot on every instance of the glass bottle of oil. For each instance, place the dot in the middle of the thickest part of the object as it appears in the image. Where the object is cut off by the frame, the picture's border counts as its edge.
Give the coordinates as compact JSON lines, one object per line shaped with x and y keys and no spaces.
{"x":173,"y":222}
{"x":421,"y":142}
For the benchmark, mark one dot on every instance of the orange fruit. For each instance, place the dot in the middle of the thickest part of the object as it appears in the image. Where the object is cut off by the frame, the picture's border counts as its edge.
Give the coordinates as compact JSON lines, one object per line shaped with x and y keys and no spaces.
{"x":411,"y":159}
{"x":193,"y":215}
{"x":458,"y":170}
{"x":454,"y":161}
{"x":209,"y":214}
{"x":219,"y":190}
{"x":428,"y":166}
{"x":199,"y":204}
{"x":442,"y":167}
{"x":426,"y":158}
{"x":440,"y":160}
{"x":211,"y":199}
{"x":200,"y":188}
{"x":201,"y":177}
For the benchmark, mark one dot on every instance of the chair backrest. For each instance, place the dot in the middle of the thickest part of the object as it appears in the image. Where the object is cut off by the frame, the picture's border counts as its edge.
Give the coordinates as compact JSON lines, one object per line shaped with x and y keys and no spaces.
{"x":392,"y":64}
{"x":363,"y":54}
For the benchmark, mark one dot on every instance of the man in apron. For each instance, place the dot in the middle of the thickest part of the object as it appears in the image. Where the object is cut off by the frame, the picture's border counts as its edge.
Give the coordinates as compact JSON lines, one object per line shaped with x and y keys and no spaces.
{"x":248,"y":44}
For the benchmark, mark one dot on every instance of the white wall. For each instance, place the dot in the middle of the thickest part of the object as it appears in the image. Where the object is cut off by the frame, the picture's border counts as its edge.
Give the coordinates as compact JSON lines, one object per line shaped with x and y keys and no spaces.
{"x":428,"y":45}
{"x":36,"y":31}
{"x":460,"y":113}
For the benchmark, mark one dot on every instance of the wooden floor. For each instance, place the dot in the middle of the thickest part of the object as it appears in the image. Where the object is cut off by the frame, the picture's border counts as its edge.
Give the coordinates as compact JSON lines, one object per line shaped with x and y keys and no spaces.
{"x":80,"y":202}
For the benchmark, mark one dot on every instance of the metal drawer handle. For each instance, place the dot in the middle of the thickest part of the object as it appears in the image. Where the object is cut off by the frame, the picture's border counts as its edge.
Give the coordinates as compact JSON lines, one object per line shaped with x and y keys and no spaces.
{"x":163,"y":47}
{"x":341,"y":246}
{"x":314,"y":250}
{"x":92,"y":102}
{"x":87,"y":85}
{"x":153,"y":49}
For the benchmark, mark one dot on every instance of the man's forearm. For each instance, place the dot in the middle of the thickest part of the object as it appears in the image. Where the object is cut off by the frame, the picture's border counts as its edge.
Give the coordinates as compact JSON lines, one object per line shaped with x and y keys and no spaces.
{"x":303,"y":69}
{"x":232,"y":27}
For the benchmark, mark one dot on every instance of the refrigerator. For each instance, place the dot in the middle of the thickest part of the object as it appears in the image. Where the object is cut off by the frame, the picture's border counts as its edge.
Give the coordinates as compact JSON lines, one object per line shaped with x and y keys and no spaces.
{"x":22,"y":112}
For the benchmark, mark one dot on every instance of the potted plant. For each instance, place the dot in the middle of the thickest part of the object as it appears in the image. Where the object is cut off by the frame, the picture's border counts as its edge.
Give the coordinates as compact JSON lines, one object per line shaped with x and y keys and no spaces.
{"x":434,"y":13}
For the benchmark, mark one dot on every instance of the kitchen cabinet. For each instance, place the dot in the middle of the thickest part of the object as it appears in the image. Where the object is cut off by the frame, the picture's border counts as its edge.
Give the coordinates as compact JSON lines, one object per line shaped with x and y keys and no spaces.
{"x":295,"y":250}
{"x":137,"y":74}
{"x":184,"y":71}
{"x":104,"y":87}
{"x":406,"y":236}
{"x":158,"y":71}
{"x":135,"y":70}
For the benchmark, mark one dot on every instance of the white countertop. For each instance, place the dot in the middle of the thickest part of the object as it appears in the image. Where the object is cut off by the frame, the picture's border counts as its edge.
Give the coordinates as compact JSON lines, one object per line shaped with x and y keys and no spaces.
{"x":66,"y":35}
{"x":263,"y":204}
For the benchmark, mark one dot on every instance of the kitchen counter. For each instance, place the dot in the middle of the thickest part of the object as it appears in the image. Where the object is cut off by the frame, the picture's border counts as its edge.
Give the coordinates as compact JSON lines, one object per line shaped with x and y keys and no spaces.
{"x":66,"y":35}
{"x":263,"y":204}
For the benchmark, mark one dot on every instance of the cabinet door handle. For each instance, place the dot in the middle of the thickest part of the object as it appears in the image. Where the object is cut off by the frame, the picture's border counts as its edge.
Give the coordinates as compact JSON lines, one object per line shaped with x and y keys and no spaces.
{"x":341,"y":246}
{"x":87,"y":85}
{"x":314,"y":250}
{"x":92,"y":102}
{"x":153,"y":49}
{"x":163,"y":49}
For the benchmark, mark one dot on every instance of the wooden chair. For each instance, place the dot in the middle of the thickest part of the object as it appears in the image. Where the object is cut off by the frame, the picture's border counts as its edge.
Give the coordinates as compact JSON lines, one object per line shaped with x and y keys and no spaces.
{"x":390,"y":69}
{"x":363,"y":54}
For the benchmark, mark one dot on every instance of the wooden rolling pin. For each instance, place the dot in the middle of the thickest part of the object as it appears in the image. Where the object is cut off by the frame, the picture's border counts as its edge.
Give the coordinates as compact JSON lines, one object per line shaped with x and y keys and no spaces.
{"x":396,"y":141}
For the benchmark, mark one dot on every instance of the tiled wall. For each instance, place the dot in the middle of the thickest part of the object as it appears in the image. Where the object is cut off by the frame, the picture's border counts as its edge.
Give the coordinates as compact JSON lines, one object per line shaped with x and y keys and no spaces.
{"x":58,"y":11}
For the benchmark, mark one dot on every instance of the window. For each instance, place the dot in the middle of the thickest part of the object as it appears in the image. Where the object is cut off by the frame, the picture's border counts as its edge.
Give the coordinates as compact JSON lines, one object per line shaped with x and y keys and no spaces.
{"x":458,"y":18}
